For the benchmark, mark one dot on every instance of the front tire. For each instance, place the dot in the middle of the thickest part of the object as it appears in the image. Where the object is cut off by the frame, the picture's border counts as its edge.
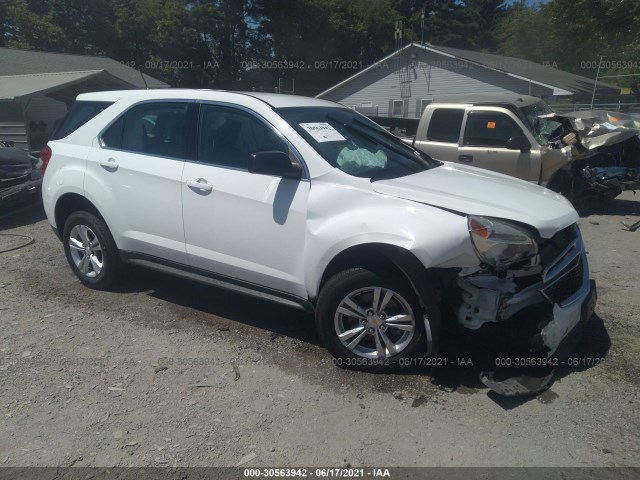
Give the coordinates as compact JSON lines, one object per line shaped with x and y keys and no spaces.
{"x":370,"y":321}
{"x":90,"y":250}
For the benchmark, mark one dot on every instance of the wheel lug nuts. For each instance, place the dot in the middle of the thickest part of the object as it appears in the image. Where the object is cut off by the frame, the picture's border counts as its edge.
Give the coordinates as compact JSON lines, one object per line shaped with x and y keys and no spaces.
{"x":370,"y":330}
{"x":381,"y":316}
{"x":363,"y":322}
{"x":382,"y":328}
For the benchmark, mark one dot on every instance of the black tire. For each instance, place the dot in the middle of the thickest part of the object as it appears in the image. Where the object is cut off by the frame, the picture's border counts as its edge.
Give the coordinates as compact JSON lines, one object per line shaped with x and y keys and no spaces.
{"x":329,"y":320}
{"x":108,"y":255}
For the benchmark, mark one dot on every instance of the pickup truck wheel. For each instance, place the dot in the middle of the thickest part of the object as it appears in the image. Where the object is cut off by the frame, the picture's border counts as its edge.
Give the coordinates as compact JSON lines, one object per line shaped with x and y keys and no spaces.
{"x":90,"y":250}
{"x":370,"y":321}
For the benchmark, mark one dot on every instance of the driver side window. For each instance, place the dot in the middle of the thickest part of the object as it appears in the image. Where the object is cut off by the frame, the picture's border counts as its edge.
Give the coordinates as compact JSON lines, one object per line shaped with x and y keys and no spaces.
{"x":489,"y":129}
{"x":229,"y":136}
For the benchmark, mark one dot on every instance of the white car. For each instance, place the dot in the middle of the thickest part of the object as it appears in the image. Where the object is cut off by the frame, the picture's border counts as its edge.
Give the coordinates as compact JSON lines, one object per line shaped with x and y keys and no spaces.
{"x":309,"y":204}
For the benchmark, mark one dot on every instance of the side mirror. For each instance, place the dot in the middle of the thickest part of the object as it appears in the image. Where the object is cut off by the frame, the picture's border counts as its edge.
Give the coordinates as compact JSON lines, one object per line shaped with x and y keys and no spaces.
{"x":275,"y":163}
{"x":519,"y":142}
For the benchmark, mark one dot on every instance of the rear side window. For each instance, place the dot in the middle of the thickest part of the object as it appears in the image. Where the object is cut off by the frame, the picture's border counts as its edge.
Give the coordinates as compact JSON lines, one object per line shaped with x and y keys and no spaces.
{"x":445,"y":125}
{"x":489,"y":129}
{"x":159,"y":129}
{"x":79,"y":114}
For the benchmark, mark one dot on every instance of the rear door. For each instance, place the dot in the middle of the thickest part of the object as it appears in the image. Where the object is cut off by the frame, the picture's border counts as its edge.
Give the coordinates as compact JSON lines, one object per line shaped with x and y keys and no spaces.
{"x":242,"y":225}
{"x":484,"y":144}
{"x":135,"y":174}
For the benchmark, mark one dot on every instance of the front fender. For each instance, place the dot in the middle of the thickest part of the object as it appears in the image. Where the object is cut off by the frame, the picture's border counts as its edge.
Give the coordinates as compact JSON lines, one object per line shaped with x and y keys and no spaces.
{"x":343,"y":217}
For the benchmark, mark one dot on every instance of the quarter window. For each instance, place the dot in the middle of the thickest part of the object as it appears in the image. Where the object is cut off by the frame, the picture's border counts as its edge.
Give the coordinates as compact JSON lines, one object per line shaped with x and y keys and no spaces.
{"x":229,"y":136}
{"x":158,"y":129}
{"x":489,"y":129}
{"x":445,"y":125}
{"x":79,"y":114}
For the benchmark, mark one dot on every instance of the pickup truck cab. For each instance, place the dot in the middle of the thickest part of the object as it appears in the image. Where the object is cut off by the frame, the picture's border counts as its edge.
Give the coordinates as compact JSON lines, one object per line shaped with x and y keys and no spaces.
{"x":521,"y":136}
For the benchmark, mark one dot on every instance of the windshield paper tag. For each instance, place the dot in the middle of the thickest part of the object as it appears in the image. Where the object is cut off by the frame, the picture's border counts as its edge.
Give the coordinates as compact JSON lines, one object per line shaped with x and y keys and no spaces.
{"x":323,"y":132}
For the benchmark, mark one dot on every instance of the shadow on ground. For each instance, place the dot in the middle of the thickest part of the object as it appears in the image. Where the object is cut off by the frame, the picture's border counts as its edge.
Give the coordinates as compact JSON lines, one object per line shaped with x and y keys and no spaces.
{"x":228,"y":305}
{"x":591,"y":348}
{"x":451,"y":372}
{"x":20,"y":214}
{"x":615,"y":207}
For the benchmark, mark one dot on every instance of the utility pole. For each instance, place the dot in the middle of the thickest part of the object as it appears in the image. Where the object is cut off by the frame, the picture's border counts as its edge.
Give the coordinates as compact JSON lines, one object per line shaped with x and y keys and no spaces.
{"x":422,"y":27}
{"x":595,"y":84}
{"x":398,"y":34}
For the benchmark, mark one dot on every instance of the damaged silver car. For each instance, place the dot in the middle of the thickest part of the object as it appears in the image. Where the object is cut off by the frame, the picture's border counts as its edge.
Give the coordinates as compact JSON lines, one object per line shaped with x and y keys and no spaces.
{"x":586,"y":155}
{"x":604,"y":148}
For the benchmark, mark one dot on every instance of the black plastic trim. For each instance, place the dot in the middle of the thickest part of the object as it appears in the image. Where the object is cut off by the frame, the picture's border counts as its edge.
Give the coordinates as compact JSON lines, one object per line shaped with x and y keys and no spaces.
{"x":217,"y":280}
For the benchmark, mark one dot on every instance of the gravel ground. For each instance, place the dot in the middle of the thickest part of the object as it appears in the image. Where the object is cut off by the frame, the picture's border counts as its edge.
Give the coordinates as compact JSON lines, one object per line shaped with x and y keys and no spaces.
{"x":83,"y":379}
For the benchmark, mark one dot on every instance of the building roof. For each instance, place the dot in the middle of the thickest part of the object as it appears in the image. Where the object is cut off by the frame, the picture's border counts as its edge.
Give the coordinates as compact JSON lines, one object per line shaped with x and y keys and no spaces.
{"x":561,"y":82}
{"x":63,"y":85}
{"x":15,"y":61}
{"x":528,"y":70}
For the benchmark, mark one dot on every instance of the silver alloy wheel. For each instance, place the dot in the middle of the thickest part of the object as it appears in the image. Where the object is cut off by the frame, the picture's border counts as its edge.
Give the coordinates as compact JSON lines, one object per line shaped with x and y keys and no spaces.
{"x":86,"y":251}
{"x":374,"y":322}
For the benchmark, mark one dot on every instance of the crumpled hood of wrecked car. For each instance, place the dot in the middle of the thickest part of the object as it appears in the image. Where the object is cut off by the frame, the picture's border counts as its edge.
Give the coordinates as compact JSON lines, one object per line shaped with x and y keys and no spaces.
{"x":599,"y":128}
{"x":476,"y":191}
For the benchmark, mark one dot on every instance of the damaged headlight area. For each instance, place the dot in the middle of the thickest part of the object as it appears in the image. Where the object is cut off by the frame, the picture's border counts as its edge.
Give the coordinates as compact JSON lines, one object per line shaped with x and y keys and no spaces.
{"x":499,"y":243}
{"x":523,"y":319}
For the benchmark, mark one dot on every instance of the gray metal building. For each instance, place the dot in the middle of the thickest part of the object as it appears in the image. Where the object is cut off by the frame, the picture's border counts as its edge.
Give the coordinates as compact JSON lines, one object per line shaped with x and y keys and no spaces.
{"x":403,"y":83}
{"x":36,"y":88}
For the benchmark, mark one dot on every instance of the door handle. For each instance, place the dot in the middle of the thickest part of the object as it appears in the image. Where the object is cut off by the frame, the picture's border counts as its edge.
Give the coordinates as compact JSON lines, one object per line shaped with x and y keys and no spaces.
{"x":109,"y":164}
{"x":199,"y":184}
{"x":465,"y":158}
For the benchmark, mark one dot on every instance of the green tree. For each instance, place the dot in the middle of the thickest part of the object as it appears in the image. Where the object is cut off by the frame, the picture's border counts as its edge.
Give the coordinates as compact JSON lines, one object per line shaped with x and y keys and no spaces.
{"x":161,"y":37}
{"x":524,"y":32}
{"x":25,"y":28}
{"x":482,"y":18}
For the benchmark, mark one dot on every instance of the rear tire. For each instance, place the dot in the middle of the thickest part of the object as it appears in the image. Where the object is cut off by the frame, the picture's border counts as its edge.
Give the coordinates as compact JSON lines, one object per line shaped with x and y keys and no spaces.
{"x":370,"y":321}
{"x":90,"y":250}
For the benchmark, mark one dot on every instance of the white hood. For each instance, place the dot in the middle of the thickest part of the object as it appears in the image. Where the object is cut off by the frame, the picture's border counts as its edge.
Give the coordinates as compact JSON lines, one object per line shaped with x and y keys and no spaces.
{"x":476,"y":191}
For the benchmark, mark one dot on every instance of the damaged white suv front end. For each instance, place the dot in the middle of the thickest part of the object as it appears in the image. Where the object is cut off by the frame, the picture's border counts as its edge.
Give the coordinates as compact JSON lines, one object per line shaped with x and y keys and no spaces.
{"x":545,"y":289}
{"x":523,"y":302}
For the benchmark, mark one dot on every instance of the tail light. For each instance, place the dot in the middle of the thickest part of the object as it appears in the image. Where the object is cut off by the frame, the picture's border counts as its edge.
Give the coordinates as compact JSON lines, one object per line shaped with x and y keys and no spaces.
{"x":45,"y":156}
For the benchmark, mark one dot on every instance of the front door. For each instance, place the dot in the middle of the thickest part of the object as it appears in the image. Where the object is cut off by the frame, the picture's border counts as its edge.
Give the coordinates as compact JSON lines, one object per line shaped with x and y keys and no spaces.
{"x":484,"y":145}
{"x":246,"y":226}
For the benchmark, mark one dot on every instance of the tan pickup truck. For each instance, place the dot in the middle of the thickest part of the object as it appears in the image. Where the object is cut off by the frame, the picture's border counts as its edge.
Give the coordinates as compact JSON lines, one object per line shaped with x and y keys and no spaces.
{"x":584,"y":155}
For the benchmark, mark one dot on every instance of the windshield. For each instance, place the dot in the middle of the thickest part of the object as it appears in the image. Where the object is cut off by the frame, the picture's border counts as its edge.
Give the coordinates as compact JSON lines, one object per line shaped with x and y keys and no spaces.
{"x":354,"y":144}
{"x":542,"y":128}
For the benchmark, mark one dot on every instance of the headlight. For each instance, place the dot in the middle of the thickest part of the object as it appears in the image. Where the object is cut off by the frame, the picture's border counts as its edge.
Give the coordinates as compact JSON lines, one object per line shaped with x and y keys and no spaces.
{"x":499,"y":243}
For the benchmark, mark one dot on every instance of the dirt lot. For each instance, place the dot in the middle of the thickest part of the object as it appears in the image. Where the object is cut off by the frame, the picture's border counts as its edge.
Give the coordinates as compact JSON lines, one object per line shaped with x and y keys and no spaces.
{"x":79,"y":386}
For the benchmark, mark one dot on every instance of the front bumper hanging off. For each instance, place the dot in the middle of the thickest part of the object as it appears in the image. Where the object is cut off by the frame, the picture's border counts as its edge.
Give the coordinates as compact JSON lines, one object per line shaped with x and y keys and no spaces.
{"x":528,"y":325}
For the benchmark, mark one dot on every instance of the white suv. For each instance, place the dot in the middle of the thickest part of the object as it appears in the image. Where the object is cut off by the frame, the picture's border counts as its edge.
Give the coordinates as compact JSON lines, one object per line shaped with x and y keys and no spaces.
{"x":307,"y":203}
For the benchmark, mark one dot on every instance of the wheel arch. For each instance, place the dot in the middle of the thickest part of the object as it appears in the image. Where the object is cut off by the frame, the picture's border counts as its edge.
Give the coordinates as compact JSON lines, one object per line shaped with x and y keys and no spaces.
{"x":378,"y":256}
{"x":427,"y":283}
{"x":69,"y":203}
